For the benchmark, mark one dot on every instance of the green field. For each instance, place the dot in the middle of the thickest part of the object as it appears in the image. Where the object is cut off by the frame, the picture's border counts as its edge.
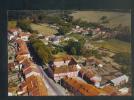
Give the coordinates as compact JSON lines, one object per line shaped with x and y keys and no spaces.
{"x":114,"y":45}
{"x":115,"y":18}
{"x":43,"y":28}
{"x":75,"y":35}
{"x":11,"y":24}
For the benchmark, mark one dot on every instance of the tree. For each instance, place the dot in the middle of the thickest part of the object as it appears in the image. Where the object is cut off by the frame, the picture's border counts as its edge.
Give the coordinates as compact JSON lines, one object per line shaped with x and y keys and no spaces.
{"x":24,"y":25}
{"x":42,"y":50}
{"x":73,"y":51}
{"x":63,"y":30}
{"x":73,"y":47}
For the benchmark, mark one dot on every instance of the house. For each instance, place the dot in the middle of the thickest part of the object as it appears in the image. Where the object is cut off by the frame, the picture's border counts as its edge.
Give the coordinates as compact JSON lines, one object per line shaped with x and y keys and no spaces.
{"x":10,"y":36}
{"x":61,"y":72}
{"x":31,"y":79}
{"x":13,"y":31}
{"x":63,"y":60}
{"x":36,"y":86}
{"x":92,"y":61}
{"x":66,"y":38}
{"x":80,"y":88}
{"x":48,"y":37}
{"x":30,"y":69}
{"x":111,"y":90}
{"x":120,"y":80}
{"x":33,"y":86}
{"x":24,"y":36}
{"x":87,"y":74}
{"x":21,"y":58}
{"x":22,"y":48}
{"x":62,"y":66}
{"x":124,"y":91}
{"x":32,"y":83}
{"x":85,"y":32}
{"x":41,"y":36}
{"x":56,"y":39}
{"x":100,"y":75}
{"x":96,"y":79}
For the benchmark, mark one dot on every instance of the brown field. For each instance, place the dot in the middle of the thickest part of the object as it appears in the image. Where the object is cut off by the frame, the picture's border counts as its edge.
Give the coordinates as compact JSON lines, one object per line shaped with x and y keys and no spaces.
{"x":115,"y":18}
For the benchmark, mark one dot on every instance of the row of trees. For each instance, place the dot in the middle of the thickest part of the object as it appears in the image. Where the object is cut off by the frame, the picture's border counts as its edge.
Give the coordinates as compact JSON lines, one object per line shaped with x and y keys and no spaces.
{"x":42,"y":50}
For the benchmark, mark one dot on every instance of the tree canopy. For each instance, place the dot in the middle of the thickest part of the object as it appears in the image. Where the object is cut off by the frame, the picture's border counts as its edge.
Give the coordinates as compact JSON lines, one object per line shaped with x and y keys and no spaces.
{"x":24,"y":25}
{"x":43,"y":51}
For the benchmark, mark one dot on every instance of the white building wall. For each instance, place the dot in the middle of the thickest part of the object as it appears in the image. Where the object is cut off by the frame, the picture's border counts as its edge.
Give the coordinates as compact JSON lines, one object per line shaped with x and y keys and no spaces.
{"x":62,"y":75}
{"x":24,"y":38}
{"x":32,"y":73}
{"x":61,"y":63}
{"x":15,"y":33}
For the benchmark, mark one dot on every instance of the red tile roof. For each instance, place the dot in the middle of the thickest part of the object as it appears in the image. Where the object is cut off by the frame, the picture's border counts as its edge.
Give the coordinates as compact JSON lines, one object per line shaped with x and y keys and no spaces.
{"x":36,"y":86}
{"x":23,"y":34}
{"x":61,"y":58}
{"x":83,"y":88}
{"x":87,"y":72}
{"x":65,"y":69}
{"x":21,"y":58}
{"x":22,"y":47}
{"x":111,"y":90}
{"x":12,"y":30}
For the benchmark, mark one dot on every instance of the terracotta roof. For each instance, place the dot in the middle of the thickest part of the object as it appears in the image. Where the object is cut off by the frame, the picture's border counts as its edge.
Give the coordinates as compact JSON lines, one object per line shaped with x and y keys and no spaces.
{"x":20,"y":41}
{"x":110,"y":89}
{"x":83,"y":88}
{"x":87,"y":72}
{"x":36,"y":86}
{"x":64,"y":69}
{"x":12,"y":30}
{"x":29,"y":66}
{"x":21,"y":58}
{"x":27,"y":62}
{"x":30,"y":69}
{"x":23,"y":34}
{"x":61,"y":58}
{"x":22,"y":47}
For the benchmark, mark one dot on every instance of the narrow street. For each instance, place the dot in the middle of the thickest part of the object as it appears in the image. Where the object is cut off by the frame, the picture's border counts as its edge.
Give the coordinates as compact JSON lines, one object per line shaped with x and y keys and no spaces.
{"x":54,"y":89}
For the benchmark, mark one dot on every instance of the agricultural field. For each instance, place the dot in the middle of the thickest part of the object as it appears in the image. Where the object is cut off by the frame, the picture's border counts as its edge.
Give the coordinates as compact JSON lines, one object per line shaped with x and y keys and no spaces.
{"x":114,"y":45}
{"x":43,"y":28}
{"x":75,"y":35}
{"x":11,"y":24}
{"x":114,"y":18}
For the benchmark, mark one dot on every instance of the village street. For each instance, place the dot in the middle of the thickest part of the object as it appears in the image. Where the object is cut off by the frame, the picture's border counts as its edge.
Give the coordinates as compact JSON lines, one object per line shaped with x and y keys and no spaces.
{"x":53,"y":88}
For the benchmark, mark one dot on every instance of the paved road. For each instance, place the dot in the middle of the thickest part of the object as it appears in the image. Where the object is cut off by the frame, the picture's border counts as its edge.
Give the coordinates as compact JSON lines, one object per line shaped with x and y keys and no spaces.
{"x":53,"y":88}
